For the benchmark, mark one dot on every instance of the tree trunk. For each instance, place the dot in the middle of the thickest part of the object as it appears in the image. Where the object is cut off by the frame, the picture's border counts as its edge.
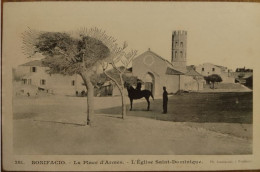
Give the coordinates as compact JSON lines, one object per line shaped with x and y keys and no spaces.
{"x":123,"y":112}
{"x":123,"y":97}
{"x":121,"y":89}
{"x":90,"y":97}
{"x":123,"y":104}
{"x":90,"y":101}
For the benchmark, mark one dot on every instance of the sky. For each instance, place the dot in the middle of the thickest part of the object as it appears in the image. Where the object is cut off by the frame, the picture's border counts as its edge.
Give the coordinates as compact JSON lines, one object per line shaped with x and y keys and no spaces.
{"x":226,"y":34}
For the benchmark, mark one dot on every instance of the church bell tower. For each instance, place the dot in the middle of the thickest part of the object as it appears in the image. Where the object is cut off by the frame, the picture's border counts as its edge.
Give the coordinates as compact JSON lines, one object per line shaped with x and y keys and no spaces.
{"x":179,"y":49}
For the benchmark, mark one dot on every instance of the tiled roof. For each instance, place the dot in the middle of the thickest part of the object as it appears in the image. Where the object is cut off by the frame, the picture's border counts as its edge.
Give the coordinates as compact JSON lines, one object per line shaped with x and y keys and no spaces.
{"x":192,"y":72}
{"x":171,"y":71}
{"x":33,"y":63}
{"x":219,"y":66}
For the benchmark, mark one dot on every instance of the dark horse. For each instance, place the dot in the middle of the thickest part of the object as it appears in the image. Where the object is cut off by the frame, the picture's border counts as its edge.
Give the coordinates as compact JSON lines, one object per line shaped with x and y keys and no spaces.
{"x":138,"y":94}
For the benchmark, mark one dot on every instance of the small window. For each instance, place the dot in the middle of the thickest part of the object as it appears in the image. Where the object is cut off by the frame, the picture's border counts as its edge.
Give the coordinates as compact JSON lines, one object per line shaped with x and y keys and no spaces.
{"x":202,"y":69}
{"x":181,"y":53}
{"x":176,"y":44}
{"x":43,"y":82}
{"x":213,"y":69}
{"x":73,"y":82}
{"x":33,"y":69}
{"x":181,"y":44}
{"x":175,"y":54}
{"x":24,"y":81}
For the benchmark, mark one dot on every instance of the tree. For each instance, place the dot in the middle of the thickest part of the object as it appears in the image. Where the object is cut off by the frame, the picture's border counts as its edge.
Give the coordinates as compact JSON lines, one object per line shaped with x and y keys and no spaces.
{"x":212,"y":79}
{"x":71,"y":53}
{"x":119,"y":81}
{"x":119,"y":60}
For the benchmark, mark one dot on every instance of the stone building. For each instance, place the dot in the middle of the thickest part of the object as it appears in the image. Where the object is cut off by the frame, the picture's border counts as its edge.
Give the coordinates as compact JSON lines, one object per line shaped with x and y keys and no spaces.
{"x":207,"y":69}
{"x":33,"y":77}
{"x":179,"y":50}
{"x":156,"y":72}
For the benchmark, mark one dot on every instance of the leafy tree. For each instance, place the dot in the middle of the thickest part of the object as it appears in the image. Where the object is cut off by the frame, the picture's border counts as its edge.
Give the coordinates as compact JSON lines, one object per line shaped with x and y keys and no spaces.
{"x":71,"y":53}
{"x":119,"y":60}
{"x":120,"y":75}
{"x":213,"y":79}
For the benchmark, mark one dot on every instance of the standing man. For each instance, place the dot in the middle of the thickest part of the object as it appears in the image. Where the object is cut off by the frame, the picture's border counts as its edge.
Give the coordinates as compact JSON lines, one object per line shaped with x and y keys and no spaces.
{"x":165,"y":100}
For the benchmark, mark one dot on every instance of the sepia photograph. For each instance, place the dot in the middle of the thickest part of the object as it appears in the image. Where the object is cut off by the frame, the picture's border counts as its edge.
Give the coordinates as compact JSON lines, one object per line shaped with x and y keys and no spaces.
{"x":155,"y":84}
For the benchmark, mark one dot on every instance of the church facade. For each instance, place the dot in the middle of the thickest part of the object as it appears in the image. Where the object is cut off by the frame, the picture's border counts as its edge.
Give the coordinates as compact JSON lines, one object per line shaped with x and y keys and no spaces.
{"x":156,"y":72}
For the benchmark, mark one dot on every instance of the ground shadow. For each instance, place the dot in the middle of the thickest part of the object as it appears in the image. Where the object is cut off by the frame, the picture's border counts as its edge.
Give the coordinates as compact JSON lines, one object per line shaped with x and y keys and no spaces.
{"x":59,"y":122}
{"x":196,"y":107}
{"x":113,"y":116}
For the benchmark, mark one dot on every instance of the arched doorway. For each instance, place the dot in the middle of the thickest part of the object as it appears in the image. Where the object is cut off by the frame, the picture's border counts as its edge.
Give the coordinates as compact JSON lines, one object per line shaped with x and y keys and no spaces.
{"x":149,"y":82}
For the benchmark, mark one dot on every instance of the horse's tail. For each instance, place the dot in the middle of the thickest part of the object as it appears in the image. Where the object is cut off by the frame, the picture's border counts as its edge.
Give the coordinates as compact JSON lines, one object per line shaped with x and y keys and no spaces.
{"x":152,"y":95}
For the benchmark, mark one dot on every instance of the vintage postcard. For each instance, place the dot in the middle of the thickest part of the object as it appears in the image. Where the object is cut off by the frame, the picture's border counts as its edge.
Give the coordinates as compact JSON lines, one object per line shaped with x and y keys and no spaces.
{"x":130,"y":86}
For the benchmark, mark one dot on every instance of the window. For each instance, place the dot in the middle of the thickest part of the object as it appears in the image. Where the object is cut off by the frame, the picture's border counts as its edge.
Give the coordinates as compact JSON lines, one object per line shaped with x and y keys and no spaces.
{"x":42,"y":81}
{"x":213,"y":69}
{"x":181,"y":44}
{"x":175,"y":54}
{"x":33,"y":69}
{"x":181,"y":53}
{"x":24,"y":81}
{"x":202,"y":69}
{"x":72,"y":82}
{"x":176,"y":44}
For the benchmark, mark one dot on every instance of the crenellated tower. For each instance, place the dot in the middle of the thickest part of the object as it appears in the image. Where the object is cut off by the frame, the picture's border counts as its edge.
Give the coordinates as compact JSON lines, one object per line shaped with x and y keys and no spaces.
{"x":179,"y":49}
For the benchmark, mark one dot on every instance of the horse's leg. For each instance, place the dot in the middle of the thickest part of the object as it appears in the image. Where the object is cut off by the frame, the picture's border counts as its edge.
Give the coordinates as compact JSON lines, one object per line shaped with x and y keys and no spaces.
{"x":148,"y":102}
{"x":131,"y":103}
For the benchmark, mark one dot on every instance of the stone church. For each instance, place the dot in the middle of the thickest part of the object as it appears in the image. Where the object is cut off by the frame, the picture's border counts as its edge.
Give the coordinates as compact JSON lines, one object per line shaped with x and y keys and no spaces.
{"x":156,"y":72}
